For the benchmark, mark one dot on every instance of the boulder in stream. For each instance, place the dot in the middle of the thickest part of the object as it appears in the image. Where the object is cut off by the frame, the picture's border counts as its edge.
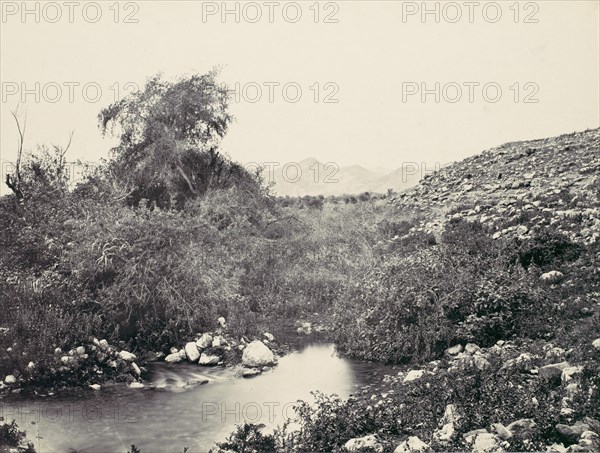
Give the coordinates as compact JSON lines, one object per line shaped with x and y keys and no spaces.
{"x":257,"y":354}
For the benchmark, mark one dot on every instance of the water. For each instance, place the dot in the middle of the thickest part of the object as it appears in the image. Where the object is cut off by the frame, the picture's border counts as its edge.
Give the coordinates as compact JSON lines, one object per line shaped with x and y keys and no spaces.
{"x":185,"y":405}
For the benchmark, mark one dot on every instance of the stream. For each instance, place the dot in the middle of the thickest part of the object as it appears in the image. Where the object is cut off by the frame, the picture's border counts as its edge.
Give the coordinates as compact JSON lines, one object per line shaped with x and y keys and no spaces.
{"x":185,"y":405}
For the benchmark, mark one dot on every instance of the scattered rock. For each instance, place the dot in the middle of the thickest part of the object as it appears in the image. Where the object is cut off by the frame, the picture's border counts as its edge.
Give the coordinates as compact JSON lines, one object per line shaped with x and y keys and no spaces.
{"x":173,"y":358}
{"x":571,"y":434}
{"x":136,"y":369}
{"x":451,"y":414}
{"x":413,"y":375}
{"x":412,"y":445}
{"x":257,"y":354}
{"x":209,"y":359}
{"x":305,"y":328}
{"x":501,"y":431}
{"x":524,"y":428}
{"x":471,"y":348}
{"x":250,"y":372}
{"x":445,"y":434}
{"x":191,"y":351}
{"x":569,"y":373}
{"x":552,"y":277}
{"x":10,"y":379}
{"x":554,"y":370}
{"x":127,"y":356}
{"x":369,"y":442}
{"x":204,"y":341}
{"x":454,"y":350}
{"x":487,"y":443}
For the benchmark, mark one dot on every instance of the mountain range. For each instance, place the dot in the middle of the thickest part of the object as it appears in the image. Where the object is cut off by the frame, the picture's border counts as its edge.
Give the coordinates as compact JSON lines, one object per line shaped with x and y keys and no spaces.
{"x":312,"y":177}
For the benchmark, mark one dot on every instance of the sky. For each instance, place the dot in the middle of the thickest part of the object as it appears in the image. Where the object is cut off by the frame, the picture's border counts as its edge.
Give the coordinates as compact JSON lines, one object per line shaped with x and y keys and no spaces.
{"x":368,"y":83}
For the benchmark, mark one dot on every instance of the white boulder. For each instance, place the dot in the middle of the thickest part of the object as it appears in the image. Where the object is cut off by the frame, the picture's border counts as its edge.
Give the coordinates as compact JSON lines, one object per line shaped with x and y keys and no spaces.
{"x":257,"y":354}
{"x":173,"y":358}
{"x":191,"y":351}
{"x":127,"y":356}
{"x":209,"y":359}
{"x":204,"y":341}
{"x":367,"y":442}
{"x":412,"y":445}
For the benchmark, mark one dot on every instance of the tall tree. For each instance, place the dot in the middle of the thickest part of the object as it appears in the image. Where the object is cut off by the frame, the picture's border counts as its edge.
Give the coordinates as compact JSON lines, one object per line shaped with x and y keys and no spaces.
{"x":169,"y":133}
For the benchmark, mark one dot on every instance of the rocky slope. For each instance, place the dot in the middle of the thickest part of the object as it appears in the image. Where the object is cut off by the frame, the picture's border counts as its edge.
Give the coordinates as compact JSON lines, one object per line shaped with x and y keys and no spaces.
{"x":539,"y":182}
{"x":516,"y":191}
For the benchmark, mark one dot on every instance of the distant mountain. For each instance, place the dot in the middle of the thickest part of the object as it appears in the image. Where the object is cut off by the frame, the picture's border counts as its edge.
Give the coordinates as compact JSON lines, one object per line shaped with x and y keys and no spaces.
{"x":312,"y":177}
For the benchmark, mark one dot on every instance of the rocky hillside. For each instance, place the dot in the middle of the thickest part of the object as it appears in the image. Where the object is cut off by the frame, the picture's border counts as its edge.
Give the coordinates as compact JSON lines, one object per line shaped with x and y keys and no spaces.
{"x":518,"y":188}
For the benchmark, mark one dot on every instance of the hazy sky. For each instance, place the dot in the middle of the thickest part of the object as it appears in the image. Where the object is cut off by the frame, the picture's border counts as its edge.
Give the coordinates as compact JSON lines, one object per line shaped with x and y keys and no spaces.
{"x":373,"y":56}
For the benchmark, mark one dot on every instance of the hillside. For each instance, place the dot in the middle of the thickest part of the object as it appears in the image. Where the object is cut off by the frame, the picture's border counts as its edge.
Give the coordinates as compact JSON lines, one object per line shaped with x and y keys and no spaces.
{"x":538,"y":182}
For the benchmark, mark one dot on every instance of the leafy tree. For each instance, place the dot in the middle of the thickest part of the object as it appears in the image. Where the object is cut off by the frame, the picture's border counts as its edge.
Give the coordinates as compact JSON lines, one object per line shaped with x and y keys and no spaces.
{"x":169,"y":135}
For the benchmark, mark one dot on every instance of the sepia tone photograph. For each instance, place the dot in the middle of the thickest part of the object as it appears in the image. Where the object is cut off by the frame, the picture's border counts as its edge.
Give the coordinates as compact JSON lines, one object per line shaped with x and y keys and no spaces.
{"x":352,"y":226}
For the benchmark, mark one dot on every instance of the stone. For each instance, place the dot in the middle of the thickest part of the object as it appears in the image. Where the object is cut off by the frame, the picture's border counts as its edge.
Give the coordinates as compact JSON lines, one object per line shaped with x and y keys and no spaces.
{"x":590,"y":440}
{"x":481,"y":363}
{"x":553,"y":370}
{"x":136,"y":369}
{"x":173,"y":358}
{"x":191,"y":351}
{"x":412,"y":445}
{"x":369,"y":442}
{"x":454,"y":350}
{"x":487,"y":443}
{"x":222,"y":321}
{"x":305,"y":328}
{"x":596,"y":344}
{"x":451,"y":414}
{"x":250,"y":372}
{"x":413,"y":375}
{"x":10,"y":379}
{"x":568,"y":374}
{"x":80,"y":350}
{"x":501,"y":431}
{"x":95,"y":386}
{"x":257,"y":354}
{"x":571,"y":434}
{"x":269,"y":336}
{"x":556,"y":448}
{"x":469,"y":437}
{"x":471,"y":348}
{"x":552,"y":277}
{"x":524,"y":428}
{"x":204,"y":341}
{"x":445,"y":434}
{"x":209,"y":359}
{"x":103,"y":344}
{"x":127,"y":356}
{"x":136,"y":385}
{"x":67,"y":360}
{"x":217,"y":341}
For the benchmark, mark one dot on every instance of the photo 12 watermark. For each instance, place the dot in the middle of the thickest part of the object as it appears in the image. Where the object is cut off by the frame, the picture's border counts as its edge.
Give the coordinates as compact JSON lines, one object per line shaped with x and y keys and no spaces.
{"x":470,"y":12}
{"x":70,"y":12}
{"x":469,"y":92}
{"x":68,"y":412}
{"x":289,"y":92}
{"x":53,"y":92}
{"x":270,"y":12}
